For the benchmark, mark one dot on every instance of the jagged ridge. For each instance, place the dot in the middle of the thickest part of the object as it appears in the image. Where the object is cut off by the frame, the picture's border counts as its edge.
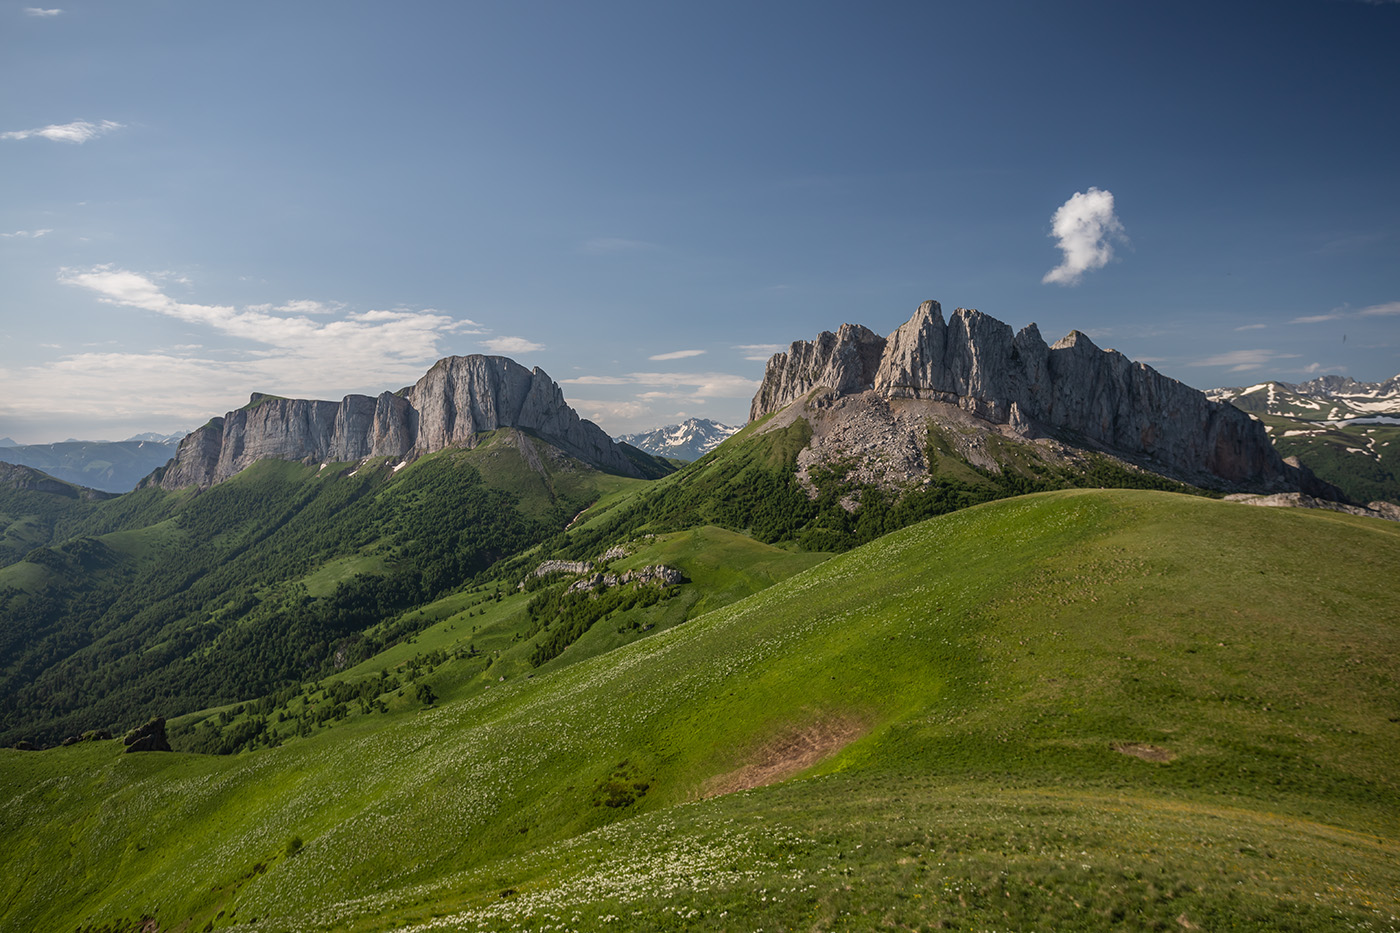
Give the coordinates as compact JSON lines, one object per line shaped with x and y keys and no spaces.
{"x":459,"y":398}
{"x":1072,"y":390}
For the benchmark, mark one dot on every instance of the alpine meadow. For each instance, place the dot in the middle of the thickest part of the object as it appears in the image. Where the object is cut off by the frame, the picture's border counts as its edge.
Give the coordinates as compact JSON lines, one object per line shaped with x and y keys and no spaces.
{"x":784,"y":467}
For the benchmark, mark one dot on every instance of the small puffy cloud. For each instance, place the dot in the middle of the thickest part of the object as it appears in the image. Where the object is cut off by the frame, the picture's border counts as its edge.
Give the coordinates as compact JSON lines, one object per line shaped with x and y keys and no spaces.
{"x":40,"y":11}
{"x":511,"y":345}
{"x":26,"y":234}
{"x":78,"y":132}
{"x":1312,"y":368}
{"x":1239,"y":361}
{"x":760,"y":351}
{"x":676,"y":355}
{"x":1085,"y":227}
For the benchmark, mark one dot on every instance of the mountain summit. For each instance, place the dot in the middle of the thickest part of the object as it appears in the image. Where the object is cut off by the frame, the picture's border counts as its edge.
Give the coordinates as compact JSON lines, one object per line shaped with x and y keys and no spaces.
{"x":974,"y":373}
{"x":689,"y":440}
{"x":457,"y":400}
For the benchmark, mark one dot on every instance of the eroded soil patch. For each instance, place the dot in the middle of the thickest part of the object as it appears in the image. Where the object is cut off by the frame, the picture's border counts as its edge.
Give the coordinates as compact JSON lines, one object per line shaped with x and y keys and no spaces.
{"x":788,"y":753}
{"x":1146,"y":752}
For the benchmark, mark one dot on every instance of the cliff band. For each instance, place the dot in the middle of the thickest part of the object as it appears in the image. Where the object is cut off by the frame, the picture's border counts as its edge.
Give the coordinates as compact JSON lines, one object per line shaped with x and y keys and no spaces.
{"x":459,"y":398}
{"x":1072,"y":391}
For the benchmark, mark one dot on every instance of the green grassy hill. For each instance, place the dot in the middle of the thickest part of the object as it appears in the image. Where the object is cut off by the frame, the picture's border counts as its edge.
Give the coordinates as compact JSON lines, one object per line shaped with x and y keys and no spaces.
{"x":162,"y":602}
{"x":1073,"y":710}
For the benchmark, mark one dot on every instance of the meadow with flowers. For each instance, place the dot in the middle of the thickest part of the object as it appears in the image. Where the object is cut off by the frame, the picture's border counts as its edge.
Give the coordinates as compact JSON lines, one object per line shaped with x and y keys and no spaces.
{"x":1077,"y":710}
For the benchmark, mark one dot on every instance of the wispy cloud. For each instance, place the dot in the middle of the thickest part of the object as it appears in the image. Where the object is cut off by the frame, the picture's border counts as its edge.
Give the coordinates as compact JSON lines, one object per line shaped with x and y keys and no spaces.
{"x":1252,"y":327}
{"x":1239,"y":361}
{"x":1085,"y":227}
{"x":1390,"y":307}
{"x":281,"y":349}
{"x":26,"y":234}
{"x":760,"y":351}
{"x":511,"y":345}
{"x":39,"y":11}
{"x":1343,"y":312}
{"x":77,"y":132}
{"x":698,"y":387}
{"x":676,"y":355}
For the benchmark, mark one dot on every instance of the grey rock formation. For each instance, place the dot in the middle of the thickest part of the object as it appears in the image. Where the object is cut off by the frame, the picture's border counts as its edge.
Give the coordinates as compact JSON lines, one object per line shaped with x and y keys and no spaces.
{"x":458,"y":399}
{"x":1071,"y":390}
{"x":148,"y":738}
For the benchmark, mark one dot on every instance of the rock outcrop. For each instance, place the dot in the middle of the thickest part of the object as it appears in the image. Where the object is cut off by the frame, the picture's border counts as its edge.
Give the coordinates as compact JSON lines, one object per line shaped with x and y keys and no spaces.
{"x":458,"y":399}
{"x":148,"y":738}
{"x":1071,"y":390}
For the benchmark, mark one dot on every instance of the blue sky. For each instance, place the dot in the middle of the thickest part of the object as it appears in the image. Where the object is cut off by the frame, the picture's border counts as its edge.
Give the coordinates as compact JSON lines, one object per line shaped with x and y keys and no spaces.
{"x":646,"y":199}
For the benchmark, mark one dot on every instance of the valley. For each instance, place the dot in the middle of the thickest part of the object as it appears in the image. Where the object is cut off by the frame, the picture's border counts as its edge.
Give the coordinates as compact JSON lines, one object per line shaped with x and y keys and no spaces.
{"x":927,"y":644}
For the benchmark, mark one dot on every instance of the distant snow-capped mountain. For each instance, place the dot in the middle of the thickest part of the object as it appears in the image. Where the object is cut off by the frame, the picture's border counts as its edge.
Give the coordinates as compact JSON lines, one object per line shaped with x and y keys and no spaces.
{"x":690,"y":440}
{"x":1326,"y":398}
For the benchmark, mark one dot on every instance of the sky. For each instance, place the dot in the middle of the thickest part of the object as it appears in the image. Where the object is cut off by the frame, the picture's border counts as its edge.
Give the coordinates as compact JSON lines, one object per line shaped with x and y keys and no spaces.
{"x":646,"y":200}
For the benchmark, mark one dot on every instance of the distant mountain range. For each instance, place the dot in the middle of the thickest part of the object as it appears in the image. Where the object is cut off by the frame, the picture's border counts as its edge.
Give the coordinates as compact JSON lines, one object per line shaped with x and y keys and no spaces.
{"x":1326,"y":398}
{"x":689,"y":440}
{"x":1347,"y":432}
{"x":111,"y":466}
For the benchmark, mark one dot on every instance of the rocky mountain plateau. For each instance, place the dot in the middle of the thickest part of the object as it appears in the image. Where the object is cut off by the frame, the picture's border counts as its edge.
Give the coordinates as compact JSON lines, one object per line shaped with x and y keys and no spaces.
{"x":457,"y":401}
{"x":870,"y":401}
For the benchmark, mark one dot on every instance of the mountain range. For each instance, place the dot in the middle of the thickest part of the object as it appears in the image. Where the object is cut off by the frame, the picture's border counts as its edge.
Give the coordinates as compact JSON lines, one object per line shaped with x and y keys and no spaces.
{"x":687,"y":441}
{"x":1346,"y":432}
{"x":111,"y":466}
{"x":956,"y":632}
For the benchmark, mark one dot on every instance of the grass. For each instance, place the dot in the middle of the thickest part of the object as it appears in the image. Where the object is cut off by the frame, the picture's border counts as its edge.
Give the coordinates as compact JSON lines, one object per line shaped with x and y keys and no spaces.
{"x":993,"y":658}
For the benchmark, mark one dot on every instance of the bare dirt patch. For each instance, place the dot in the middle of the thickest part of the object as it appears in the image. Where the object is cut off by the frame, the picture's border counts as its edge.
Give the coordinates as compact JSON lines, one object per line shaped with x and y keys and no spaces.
{"x":787,"y":753}
{"x":1145,"y":752}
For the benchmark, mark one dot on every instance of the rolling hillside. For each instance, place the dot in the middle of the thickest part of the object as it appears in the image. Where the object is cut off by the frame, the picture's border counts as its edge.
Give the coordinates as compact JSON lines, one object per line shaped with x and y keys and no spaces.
{"x":1074,"y":710}
{"x":159,"y":602}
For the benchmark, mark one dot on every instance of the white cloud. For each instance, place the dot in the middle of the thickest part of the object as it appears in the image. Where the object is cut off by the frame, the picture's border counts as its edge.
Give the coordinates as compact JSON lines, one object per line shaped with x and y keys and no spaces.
{"x":760,"y":351}
{"x":1390,"y":307}
{"x":689,"y":386}
{"x":26,"y":234}
{"x":276,"y":351}
{"x":1312,"y":368}
{"x":597,"y":381}
{"x":1344,"y":311}
{"x":604,"y":412}
{"x":511,"y":345}
{"x":1240,"y":361}
{"x":39,"y":11}
{"x":78,"y":132}
{"x":1085,"y":227}
{"x":1252,"y":327}
{"x":676,"y":355}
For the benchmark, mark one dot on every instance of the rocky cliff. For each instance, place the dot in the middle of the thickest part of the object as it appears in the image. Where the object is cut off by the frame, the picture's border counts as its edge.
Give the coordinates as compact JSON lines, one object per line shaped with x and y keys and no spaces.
{"x":1071,"y":390}
{"x":458,"y":399}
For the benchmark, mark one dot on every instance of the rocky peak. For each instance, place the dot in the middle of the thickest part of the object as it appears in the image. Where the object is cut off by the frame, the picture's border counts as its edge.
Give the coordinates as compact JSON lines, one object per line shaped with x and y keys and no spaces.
{"x":459,"y":398}
{"x":1072,"y":389}
{"x":845,"y":361}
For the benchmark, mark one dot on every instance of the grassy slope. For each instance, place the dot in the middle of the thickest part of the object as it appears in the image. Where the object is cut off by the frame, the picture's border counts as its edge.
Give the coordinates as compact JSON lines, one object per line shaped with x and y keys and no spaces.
{"x":990,"y":659}
{"x":108,"y":643}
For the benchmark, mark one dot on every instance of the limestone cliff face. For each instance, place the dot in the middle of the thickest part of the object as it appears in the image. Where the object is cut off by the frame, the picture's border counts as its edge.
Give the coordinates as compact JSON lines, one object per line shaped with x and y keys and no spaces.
{"x":458,"y":399}
{"x":1071,"y":390}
